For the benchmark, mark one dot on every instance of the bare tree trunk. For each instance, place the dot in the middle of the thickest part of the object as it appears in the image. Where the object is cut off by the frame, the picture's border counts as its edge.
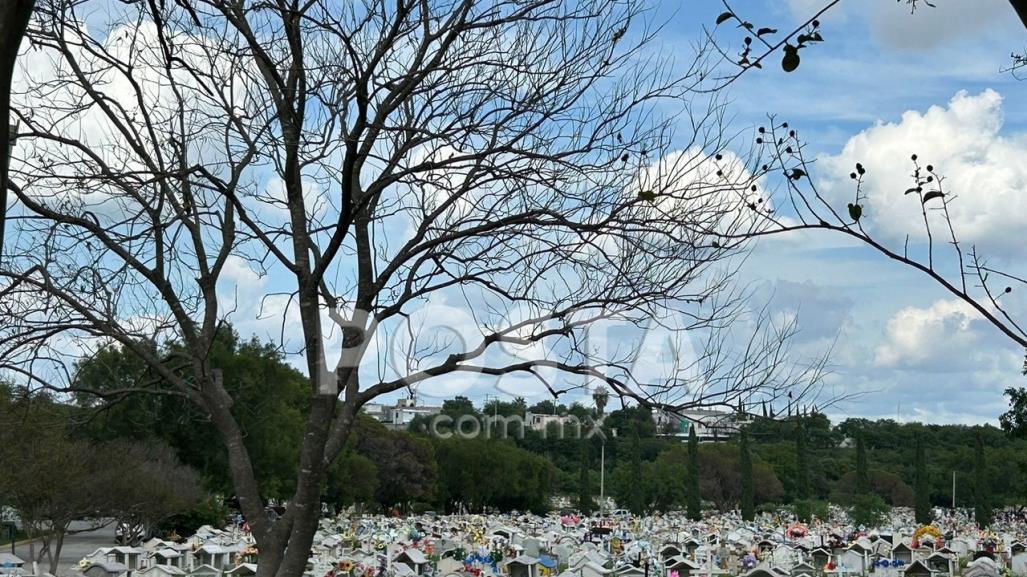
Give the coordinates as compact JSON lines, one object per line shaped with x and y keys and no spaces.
{"x":14,"y":18}
{"x":1021,"y":10}
{"x":55,"y":549}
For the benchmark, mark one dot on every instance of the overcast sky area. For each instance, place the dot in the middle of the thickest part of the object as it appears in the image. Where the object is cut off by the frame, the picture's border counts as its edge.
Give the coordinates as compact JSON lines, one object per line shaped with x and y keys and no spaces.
{"x":883,"y":85}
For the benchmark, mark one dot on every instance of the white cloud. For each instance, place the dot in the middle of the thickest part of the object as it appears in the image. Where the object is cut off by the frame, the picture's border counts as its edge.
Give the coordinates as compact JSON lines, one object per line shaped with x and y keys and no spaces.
{"x":948,"y":335}
{"x":984,"y":173}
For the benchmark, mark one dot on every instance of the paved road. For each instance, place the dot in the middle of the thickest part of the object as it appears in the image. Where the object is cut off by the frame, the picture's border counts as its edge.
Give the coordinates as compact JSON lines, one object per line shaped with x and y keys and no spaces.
{"x":75,"y":547}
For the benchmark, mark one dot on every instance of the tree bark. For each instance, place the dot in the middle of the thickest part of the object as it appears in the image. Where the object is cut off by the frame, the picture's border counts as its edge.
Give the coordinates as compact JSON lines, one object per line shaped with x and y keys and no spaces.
{"x":14,"y":18}
{"x":1021,"y":10}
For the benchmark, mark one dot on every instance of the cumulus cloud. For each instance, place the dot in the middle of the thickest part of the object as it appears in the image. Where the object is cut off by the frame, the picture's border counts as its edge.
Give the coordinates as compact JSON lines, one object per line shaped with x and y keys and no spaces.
{"x":946,"y":336}
{"x":985,"y":175}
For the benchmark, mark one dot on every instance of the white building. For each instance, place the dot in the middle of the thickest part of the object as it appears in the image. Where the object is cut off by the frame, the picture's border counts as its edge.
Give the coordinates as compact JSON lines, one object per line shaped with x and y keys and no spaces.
{"x":400,"y":415}
{"x":709,"y":425}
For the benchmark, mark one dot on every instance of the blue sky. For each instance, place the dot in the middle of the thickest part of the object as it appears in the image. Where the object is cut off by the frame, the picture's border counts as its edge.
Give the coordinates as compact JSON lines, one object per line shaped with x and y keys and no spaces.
{"x":913,"y":351}
{"x":883,"y":85}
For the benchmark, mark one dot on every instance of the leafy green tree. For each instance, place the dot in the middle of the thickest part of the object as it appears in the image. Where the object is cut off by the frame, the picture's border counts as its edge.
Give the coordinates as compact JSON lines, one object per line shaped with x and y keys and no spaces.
{"x":748,"y":506}
{"x":981,"y":489}
{"x":546,"y":407}
{"x":585,"y":503}
{"x":637,"y":420}
{"x":405,"y":464}
{"x":802,"y":484}
{"x":51,"y":478}
{"x":868,"y":510}
{"x":862,"y":467}
{"x":810,"y":509}
{"x":636,"y":493}
{"x":352,"y":480}
{"x":694,"y":497}
{"x":475,"y":474}
{"x":922,"y":487}
{"x":666,"y":484}
{"x":270,"y":403}
{"x":1014,"y":421}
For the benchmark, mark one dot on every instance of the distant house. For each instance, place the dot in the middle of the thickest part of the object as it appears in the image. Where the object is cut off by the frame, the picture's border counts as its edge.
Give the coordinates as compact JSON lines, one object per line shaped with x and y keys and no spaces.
{"x":709,"y":425}
{"x":400,"y":415}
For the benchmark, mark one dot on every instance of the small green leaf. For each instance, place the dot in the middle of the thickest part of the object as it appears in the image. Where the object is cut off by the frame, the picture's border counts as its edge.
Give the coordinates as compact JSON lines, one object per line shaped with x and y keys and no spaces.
{"x":912,"y":190}
{"x":724,"y":17}
{"x":932,"y":195}
{"x":647,"y":195}
{"x":797,"y":173}
{"x":855,"y":212}
{"x":763,"y":31}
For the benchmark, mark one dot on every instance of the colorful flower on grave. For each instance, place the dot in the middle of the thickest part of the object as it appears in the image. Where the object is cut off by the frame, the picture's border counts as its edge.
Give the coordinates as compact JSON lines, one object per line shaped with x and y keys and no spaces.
{"x":930,"y":530}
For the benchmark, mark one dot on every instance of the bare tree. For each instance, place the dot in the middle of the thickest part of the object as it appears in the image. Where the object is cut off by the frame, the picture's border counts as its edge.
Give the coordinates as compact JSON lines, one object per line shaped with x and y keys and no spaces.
{"x":783,"y":160}
{"x":372,"y":159}
{"x":14,"y":18}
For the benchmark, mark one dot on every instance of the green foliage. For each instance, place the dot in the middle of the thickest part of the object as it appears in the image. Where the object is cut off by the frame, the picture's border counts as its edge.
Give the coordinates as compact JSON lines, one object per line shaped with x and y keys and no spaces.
{"x":862,"y":468}
{"x":635,"y":498}
{"x":809,"y":509}
{"x":868,"y":510}
{"x":981,"y":487}
{"x":748,"y":505}
{"x":694,"y":499}
{"x":482,"y":473}
{"x":802,"y":486}
{"x":1014,"y":421}
{"x":585,"y":503}
{"x":405,"y":464}
{"x":352,"y":480}
{"x":888,"y":486}
{"x":921,"y":487}
{"x":270,"y":402}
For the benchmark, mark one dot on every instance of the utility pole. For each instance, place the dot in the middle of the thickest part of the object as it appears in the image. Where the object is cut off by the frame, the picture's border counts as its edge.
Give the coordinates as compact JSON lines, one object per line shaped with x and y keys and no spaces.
{"x":602,"y":477}
{"x":953,"y":489}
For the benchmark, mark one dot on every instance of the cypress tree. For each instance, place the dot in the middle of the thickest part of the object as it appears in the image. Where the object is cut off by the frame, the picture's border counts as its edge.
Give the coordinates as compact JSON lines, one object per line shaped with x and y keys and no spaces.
{"x":694,"y":499}
{"x":923,"y":497}
{"x":636,"y":492}
{"x":748,"y":504}
{"x":982,"y":498}
{"x":584,"y":488}
{"x":802,"y":487}
{"x":862,"y":468}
